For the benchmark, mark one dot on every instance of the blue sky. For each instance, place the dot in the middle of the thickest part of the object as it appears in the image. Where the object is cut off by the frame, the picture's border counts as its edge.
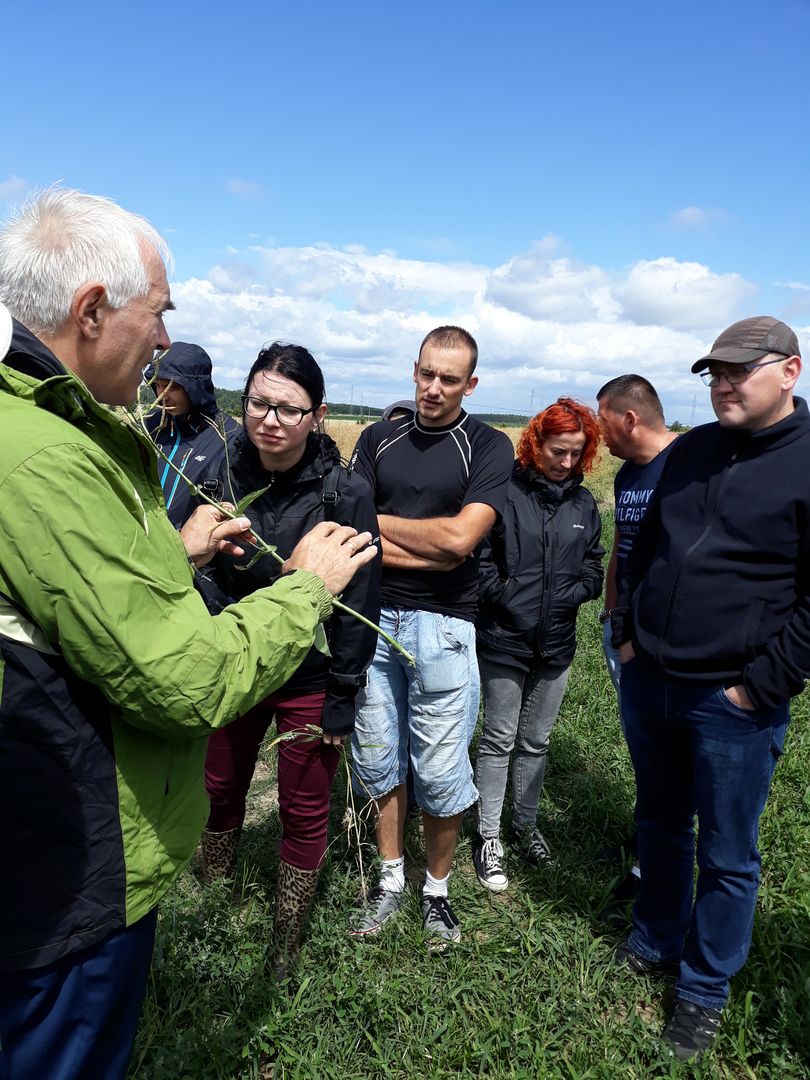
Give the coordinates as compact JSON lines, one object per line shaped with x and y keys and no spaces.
{"x":589,"y":188}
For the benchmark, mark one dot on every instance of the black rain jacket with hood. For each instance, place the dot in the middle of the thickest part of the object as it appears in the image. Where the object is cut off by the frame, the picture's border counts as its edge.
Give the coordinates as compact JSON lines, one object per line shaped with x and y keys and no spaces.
{"x":539,"y":564}
{"x":193,"y":443}
{"x":317,"y":488}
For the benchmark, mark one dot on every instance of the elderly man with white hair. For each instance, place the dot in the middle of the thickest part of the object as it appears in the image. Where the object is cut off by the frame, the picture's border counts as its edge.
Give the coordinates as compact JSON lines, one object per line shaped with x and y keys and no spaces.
{"x":113,"y":671}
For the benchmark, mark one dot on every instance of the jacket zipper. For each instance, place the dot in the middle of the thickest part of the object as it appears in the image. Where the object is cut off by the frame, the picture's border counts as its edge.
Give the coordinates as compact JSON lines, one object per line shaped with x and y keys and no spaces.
{"x":688,"y":554}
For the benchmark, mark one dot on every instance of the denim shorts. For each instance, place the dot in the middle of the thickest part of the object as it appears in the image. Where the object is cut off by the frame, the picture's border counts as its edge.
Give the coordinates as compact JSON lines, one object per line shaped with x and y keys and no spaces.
{"x":420,"y":712}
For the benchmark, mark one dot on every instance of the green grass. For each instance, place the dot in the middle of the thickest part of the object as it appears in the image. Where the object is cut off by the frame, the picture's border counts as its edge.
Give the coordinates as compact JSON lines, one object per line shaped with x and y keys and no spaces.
{"x":529,"y":993}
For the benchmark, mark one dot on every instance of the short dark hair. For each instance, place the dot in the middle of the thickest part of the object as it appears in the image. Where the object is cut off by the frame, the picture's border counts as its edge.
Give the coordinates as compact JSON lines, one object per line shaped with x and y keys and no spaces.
{"x":452,"y":337}
{"x":293,"y":362}
{"x":636,"y":393}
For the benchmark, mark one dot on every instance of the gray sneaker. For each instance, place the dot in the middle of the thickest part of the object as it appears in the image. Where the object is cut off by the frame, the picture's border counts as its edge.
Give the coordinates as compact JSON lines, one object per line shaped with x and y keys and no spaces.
{"x":439,"y":923}
{"x":382,"y":904}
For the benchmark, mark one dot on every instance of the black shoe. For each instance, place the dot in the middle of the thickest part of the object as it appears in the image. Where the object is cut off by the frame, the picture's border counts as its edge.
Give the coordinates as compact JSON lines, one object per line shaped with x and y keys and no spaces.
{"x":529,"y":844}
{"x":617,"y":911}
{"x":626,"y":957}
{"x":619,"y":853}
{"x":692,"y":1029}
{"x":488,"y":861}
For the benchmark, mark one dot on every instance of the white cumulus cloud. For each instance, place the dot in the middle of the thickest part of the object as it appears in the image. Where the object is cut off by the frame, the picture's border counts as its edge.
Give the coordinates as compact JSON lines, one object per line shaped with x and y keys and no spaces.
{"x":545,"y":323}
{"x":245,"y":189}
{"x":695,"y":217}
{"x":13,"y":188}
{"x":681,"y":294}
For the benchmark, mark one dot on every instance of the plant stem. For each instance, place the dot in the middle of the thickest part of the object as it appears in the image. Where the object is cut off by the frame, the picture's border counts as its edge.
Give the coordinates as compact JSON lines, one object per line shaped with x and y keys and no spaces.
{"x":137,"y":415}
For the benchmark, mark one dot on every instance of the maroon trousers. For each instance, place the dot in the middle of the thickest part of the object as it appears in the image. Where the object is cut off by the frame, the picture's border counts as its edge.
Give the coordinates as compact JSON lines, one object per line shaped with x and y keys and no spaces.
{"x":306,"y":769}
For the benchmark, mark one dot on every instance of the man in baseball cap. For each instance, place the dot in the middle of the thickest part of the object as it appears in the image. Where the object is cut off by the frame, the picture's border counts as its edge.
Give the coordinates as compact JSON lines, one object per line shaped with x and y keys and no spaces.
{"x":713,"y":625}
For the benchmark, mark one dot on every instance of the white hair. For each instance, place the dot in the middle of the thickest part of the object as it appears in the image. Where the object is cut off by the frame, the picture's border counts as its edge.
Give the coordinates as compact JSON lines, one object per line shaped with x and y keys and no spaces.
{"x":60,"y":240}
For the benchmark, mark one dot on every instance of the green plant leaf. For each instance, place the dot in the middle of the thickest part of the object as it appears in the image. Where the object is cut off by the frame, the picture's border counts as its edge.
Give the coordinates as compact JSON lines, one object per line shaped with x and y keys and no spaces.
{"x":255,"y":559}
{"x":320,"y":642}
{"x":246,"y":500}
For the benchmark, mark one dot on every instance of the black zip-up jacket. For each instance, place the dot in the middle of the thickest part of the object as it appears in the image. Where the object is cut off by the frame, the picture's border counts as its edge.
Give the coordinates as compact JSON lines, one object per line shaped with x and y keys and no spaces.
{"x":538,"y":565}
{"x":718,"y":581}
{"x":195,"y":442}
{"x":292,"y":505}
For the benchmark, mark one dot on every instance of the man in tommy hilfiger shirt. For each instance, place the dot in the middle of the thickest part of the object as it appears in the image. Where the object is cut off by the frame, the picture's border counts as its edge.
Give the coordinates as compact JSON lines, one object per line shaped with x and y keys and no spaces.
{"x":440,"y":482}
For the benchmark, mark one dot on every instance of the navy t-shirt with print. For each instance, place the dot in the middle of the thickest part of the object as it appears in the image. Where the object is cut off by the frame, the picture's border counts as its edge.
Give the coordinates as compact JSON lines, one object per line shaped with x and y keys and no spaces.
{"x":425,"y":472}
{"x":633,"y":489}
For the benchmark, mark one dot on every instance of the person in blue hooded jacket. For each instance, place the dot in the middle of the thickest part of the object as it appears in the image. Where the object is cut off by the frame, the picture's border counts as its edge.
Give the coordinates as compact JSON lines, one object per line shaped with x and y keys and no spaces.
{"x":186,"y":425}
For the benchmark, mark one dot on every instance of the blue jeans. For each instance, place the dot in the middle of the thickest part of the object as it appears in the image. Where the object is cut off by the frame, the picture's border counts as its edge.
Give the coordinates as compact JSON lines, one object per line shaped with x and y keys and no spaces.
{"x":694,"y":752}
{"x":520,"y":709}
{"x":76,"y":1019}
{"x":420,"y":713}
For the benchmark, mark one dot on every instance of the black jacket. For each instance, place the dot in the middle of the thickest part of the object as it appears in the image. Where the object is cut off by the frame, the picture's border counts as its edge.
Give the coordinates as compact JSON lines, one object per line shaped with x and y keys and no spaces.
{"x":195,"y":443}
{"x":538,"y":565}
{"x":293,"y":505}
{"x":719,"y":574}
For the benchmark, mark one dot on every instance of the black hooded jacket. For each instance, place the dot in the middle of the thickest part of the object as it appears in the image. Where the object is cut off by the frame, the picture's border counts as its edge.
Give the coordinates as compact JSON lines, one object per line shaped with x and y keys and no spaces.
{"x":195,"y":442}
{"x":292,"y":505}
{"x":538,"y":565}
{"x":717,"y":587}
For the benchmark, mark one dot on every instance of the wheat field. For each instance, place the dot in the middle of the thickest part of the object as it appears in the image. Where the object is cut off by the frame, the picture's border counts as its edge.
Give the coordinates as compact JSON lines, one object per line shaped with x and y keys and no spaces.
{"x":599,"y":482}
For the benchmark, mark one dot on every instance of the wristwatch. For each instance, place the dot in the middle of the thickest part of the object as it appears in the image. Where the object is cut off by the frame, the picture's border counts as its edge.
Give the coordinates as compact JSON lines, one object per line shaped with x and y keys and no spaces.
{"x":604,"y":615}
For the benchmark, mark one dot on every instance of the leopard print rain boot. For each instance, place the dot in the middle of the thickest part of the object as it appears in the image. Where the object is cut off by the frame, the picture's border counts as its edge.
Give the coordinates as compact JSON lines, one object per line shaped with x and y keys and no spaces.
{"x":219,"y":855}
{"x":295,"y":891}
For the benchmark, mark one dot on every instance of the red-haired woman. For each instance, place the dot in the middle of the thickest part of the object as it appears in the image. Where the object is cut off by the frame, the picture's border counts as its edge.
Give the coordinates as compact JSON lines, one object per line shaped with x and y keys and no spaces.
{"x":538,"y":565}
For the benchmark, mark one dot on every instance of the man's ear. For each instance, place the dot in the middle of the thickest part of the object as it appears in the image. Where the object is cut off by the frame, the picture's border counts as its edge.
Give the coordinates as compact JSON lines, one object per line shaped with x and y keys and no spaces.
{"x":472,"y":382}
{"x":630,"y":421}
{"x":791,"y":372}
{"x":88,"y":309}
{"x":415,"y":369}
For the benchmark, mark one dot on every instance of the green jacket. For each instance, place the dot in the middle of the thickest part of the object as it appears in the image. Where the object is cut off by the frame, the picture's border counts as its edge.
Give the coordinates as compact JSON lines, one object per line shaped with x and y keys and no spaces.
{"x":113,"y":671}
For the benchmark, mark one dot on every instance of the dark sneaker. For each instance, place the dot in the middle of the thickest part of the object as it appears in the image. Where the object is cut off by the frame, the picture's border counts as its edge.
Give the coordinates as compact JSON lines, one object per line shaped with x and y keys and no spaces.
{"x":440,"y":924}
{"x":382,"y":904}
{"x":626,"y":957}
{"x":618,"y":853}
{"x":530,"y":845}
{"x":487,"y":858}
{"x":692,"y":1029}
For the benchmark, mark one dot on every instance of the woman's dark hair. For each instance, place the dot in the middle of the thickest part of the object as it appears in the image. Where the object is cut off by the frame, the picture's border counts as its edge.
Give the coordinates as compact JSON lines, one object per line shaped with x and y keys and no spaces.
{"x":293,"y":362}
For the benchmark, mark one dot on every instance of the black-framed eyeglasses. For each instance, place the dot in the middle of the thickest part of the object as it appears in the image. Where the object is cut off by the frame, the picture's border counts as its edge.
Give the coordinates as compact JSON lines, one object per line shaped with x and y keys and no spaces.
{"x":738,"y":374}
{"x":287,"y":415}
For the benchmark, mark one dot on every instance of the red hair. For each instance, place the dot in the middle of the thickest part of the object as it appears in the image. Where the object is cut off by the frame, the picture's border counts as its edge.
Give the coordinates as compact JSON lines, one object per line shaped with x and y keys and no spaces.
{"x":565,"y":416}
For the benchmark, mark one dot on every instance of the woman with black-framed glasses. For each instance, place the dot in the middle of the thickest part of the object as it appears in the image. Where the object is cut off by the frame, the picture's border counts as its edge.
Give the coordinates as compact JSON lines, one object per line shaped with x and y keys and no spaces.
{"x":282,"y":450}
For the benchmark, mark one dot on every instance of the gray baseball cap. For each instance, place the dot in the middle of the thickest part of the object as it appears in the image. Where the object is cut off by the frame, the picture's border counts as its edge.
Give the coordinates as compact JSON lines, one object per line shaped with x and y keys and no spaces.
{"x":405,"y":405}
{"x":750,"y":339}
{"x":5,"y":330}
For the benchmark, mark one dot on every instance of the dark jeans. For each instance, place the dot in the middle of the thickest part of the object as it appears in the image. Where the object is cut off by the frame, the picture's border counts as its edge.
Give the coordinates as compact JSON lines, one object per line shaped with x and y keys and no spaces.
{"x":694,"y":752}
{"x":76,"y":1019}
{"x":306,"y":769}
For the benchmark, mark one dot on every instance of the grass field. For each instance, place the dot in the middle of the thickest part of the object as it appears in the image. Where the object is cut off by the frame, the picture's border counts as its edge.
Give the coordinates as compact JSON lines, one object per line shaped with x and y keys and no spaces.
{"x":529,"y":993}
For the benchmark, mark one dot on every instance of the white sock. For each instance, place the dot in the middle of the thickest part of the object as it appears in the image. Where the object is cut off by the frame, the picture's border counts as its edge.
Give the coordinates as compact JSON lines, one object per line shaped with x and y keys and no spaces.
{"x":392,"y":874}
{"x":435,"y":886}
